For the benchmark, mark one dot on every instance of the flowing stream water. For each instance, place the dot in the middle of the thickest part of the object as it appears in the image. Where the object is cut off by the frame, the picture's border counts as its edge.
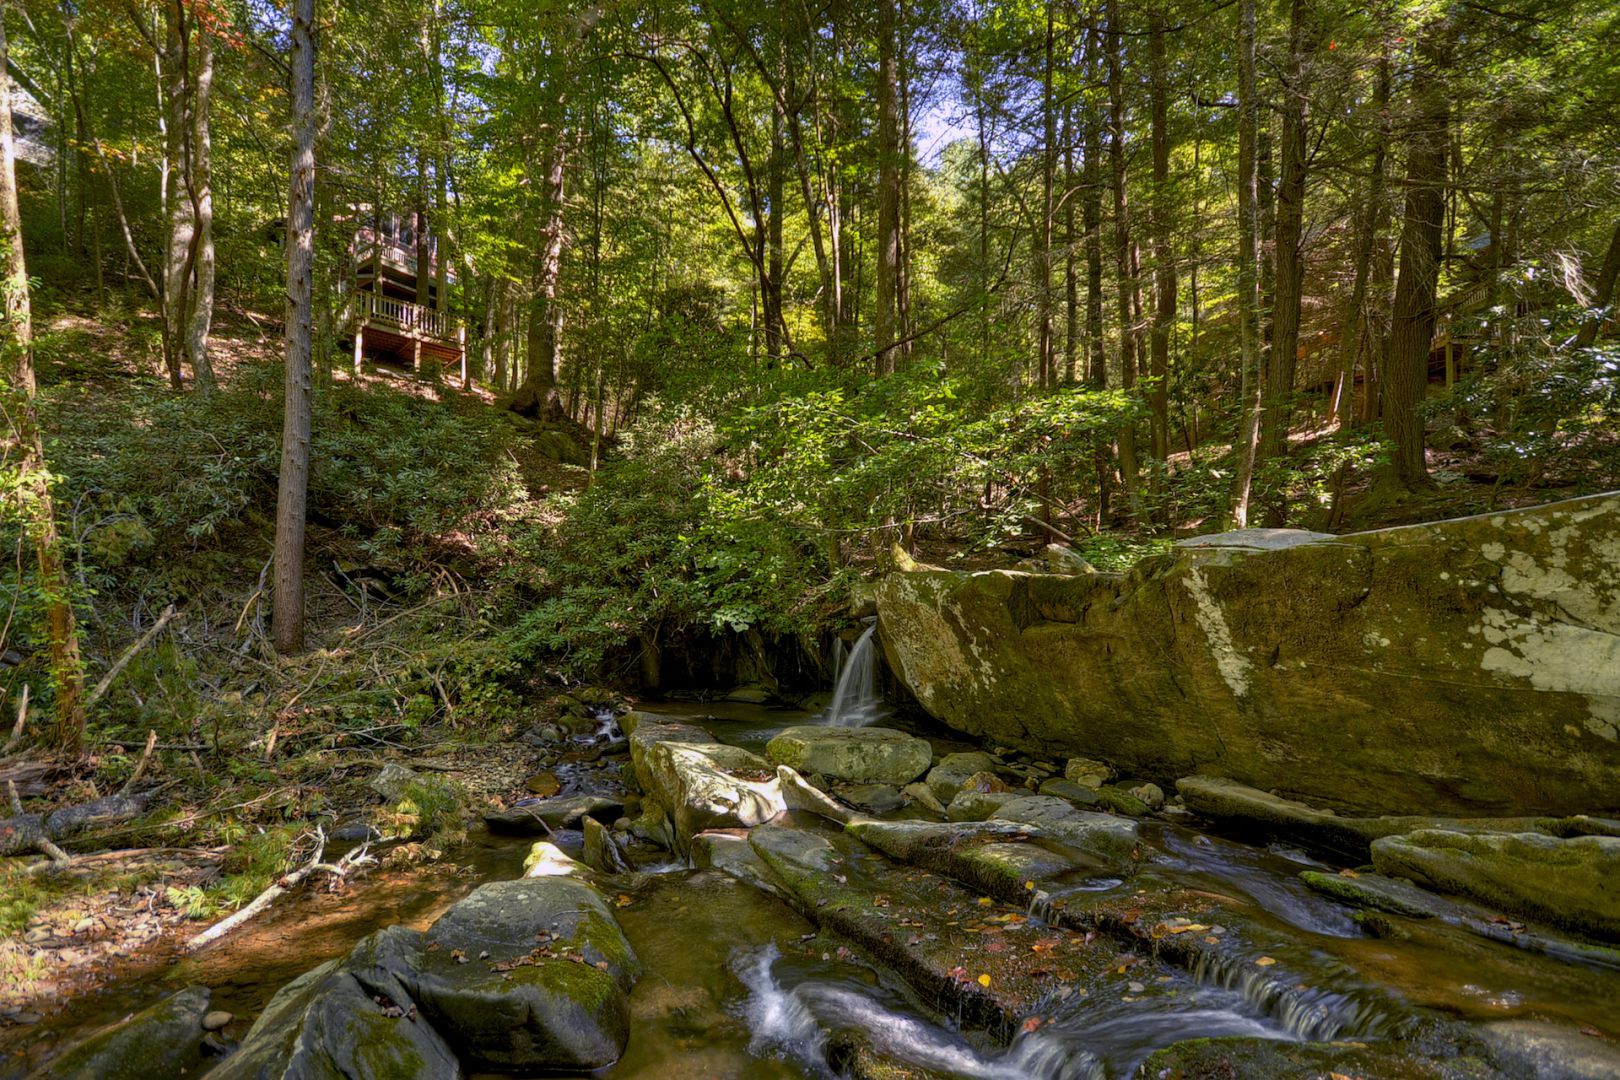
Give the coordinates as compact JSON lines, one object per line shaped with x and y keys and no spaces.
{"x":738,"y":984}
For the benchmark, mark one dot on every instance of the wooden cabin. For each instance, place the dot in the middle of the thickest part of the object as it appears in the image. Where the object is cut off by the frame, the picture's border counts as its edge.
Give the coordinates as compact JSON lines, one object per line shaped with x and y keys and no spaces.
{"x":383,"y":318}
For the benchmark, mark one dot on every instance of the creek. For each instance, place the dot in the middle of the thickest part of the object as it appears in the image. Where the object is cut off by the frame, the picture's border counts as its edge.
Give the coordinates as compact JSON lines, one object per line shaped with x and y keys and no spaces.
{"x":736,"y":983}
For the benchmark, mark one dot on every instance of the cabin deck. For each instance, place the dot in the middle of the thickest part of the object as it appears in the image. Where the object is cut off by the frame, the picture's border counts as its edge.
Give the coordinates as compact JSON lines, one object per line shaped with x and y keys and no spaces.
{"x":406,"y":331}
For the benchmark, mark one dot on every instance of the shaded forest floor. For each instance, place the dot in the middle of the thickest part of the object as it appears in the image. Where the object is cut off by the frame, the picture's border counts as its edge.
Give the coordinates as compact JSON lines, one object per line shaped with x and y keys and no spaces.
{"x":427,"y":505}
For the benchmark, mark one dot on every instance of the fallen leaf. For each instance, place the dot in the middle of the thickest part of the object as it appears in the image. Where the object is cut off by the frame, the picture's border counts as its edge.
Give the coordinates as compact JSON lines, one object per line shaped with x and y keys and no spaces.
{"x":984,"y":980}
{"x":1265,"y":961}
{"x":1031,"y":1024}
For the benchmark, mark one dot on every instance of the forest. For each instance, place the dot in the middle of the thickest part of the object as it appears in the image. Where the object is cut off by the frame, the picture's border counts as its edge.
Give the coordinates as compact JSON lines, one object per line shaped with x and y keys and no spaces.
{"x":423,"y":419}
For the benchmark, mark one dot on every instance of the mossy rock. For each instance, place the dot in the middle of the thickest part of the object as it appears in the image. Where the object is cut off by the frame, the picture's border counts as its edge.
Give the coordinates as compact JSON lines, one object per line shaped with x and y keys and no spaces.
{"x":163,"y":1040}
{"x":867,"y":755}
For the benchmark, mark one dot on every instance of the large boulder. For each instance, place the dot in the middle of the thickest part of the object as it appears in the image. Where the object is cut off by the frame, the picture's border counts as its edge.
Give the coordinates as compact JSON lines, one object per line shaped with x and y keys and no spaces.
{"x":867,"y":755}
{"x":529,"y":975}
{"x":163,"y":1040}
{"x":1467,"y":666}
{"x":698,"y":785}
{"x":349,"y":1017}
{"x":1572,"y":883}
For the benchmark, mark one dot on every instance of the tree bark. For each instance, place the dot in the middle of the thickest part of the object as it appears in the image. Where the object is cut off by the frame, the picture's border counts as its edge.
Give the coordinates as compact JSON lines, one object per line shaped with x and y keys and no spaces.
{"x":293,"y":488}
{"x":1125,"y":258}
{"x":1602,"y":292}
{"x":538,"y":393}
{"x":1164,"y":264}
{"x":1046,"y":355}
{"x":1413,"y":319}
{"x":200,"y":186}
{"x":67,"y":674}
{"x":886,"y":317}
{"x":1356,"y":334}
{"x":1248,"y":298}
{"x":1290,"y":272}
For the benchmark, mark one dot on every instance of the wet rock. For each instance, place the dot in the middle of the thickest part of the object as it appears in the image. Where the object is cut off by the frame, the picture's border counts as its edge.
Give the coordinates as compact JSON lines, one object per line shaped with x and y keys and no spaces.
{"x":751,"y":695}
{"x":977,"y":805}
{"x":1078,"y":794}
{"x":542,"y":817}
{"x":947,"y":778}
{"x":880,"y":915}
{"x":1088,"y":772}
{"x":873,"y":798}
{"x":729,"y":852}
{"x":699,"y":786}
{"x":861,"y":755}
{"x":1228,"y":800}
{"x":217,"y":1020}
{"x":392,"y":780}
{"x":544,"y":735}
{"x":1460,"y":667}
{"x":1571,"y":883}
{"x":349,"y":1017}
{"x":1101,"y":835}
{"x":1121,"y":801}
{"x":601,"y":852}
{"x":985,"y":783}
{"x":800,"y":794}
{"x":529,"y":975}
{"x":543,"y":784}
{"x":923,"y":795}
{"x":164,"y":1040}
{"x":1150,"y":795}
{"x":546,"y":859}
{"x":1244,"y":1056}
{"x":1550,"y":1052}
{"x":1375,"y":892}
{"x":356,"y":832}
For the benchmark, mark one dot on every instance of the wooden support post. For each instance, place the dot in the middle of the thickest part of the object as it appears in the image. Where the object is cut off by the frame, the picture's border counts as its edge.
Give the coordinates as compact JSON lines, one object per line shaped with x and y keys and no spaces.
{"x":416,"y":354}
{"x":359,"y":346}
{"x":461,"y":344}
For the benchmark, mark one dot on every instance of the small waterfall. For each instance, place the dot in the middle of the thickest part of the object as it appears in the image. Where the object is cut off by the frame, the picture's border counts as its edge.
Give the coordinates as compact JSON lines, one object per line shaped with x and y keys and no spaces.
{"x":856,"y":702}
{"x":1312,"y":1014}
{"x":798,"y":1022}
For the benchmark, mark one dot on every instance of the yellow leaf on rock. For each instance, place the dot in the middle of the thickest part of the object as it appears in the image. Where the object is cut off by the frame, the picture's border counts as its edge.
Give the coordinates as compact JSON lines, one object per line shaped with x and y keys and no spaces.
{"x":984,"y":980}
{"x":1265,"y":961}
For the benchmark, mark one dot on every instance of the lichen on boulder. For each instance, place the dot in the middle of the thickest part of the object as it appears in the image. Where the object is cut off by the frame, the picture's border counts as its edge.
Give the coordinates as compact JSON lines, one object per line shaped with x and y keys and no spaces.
{"x":1469,"y":666}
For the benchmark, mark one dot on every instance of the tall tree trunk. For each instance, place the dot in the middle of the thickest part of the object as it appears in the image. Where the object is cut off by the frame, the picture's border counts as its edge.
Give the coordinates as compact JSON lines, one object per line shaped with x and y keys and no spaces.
{"x":1413,"y":319}
{"x":1356,"y":336}
{"x":1046,"y":376}
{"x":200,"y":184}
{"x":1602,"y":292}
{"x":1290,"y":276}
{"x":538,"y":394}
{"x":776,"y":169}
{"x":1248,"y":299}
{"x":1091,"y":181}
{"x":1125,"y":259}
{"x":293,"y":489}
{"x":181,"y":220}
{"x":1071,"y":270}
{"x":1164,"y":263}
{"x":886,"y":317}
{"x":34,"y":488}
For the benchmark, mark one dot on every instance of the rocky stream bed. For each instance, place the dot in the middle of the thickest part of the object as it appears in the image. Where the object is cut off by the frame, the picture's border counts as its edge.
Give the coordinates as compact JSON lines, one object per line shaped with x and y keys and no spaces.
{"x":752,"y":894}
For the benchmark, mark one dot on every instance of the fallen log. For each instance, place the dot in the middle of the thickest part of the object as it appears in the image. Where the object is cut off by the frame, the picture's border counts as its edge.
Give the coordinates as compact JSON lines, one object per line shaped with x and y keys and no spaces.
{"x":24,"y":832}
{"x":358,"y":857}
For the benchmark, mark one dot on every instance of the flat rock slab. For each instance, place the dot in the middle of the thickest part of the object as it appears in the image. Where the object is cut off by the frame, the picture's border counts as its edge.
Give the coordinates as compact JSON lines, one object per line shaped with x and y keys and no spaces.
{"x":866,"y":755}
{"x":1571,"y":883}
{"x":1227,"y":799}
{"x":527,"y":975}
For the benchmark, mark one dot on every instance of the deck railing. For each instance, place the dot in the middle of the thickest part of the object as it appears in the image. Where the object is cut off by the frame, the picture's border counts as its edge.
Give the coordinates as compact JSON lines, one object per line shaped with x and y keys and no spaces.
{"x":373,"y":308}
